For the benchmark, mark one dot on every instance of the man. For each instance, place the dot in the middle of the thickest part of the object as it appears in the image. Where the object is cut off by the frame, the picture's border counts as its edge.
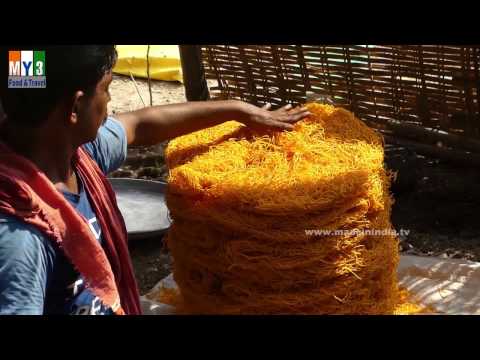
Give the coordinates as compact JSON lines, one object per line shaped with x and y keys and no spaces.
{"x":62,"y":239}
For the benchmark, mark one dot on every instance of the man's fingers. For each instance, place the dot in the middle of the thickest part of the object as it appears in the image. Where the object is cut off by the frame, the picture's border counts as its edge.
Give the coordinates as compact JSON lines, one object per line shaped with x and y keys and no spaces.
{"x":283,"y":118}
{"x":297,"y":116}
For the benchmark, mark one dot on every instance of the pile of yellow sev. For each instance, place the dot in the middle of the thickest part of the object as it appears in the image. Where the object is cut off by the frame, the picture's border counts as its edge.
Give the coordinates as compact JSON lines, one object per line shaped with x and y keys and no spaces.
{"x":241,"y":202}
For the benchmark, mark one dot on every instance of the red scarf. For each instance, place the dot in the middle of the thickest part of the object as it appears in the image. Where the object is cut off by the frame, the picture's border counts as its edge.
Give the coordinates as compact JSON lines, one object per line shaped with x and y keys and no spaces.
{"x":26,"y":193}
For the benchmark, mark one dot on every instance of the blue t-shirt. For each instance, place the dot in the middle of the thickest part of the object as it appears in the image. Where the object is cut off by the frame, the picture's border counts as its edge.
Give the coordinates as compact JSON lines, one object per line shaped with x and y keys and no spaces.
{"x":35,"y":275}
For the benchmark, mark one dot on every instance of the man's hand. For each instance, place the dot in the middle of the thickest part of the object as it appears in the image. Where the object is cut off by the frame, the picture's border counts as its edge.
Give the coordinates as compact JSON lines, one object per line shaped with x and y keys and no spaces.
{"x":150,"y":126}
{"x":283,"y":118}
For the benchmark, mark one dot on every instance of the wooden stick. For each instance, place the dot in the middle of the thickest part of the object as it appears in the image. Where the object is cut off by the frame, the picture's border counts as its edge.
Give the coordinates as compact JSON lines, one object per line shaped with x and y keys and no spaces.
{"x":148,"y":75}
{"x":438,"y":152}
{"x":136,"y":87}
{"x":196,"y":87}
{"x":416,"y":132}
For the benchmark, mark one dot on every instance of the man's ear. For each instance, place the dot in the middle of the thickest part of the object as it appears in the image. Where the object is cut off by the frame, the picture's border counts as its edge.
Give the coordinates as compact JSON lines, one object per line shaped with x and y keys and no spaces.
{"x":76,"y":105}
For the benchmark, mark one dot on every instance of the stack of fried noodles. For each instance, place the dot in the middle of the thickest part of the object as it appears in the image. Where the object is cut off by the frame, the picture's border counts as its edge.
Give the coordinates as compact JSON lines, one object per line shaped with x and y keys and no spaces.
{"x":283,"y":222}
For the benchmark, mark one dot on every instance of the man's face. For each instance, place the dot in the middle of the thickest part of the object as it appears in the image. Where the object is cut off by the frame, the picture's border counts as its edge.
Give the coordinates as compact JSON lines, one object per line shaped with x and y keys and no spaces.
{"x":94,"y":112}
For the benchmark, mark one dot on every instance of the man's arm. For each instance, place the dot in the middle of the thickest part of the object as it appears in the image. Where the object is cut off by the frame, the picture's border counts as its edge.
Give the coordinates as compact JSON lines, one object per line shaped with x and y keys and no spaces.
{"x":26,"y":260}
{"x":155,"y":124}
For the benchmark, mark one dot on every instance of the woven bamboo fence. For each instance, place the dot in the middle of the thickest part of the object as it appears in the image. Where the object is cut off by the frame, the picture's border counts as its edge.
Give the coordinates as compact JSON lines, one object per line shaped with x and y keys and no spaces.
{"x":423,"y":95}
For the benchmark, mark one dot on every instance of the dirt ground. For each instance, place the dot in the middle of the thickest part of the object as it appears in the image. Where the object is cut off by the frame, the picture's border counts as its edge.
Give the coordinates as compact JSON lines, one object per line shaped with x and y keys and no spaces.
{"x":437,"y":202}
{"x":440,"y":210}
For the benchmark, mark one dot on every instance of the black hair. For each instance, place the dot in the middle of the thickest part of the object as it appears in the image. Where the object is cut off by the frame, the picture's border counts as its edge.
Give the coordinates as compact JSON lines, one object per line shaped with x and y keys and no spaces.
{"x":67,"y":70}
